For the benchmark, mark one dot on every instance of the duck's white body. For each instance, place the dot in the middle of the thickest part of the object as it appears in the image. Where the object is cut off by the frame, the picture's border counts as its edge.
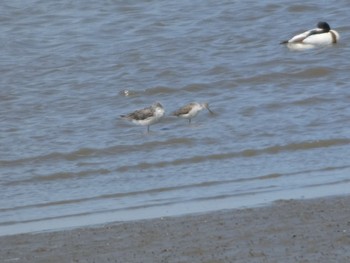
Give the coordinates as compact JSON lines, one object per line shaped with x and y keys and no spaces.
{"x":320,"y":36}
{"x":328,"y":38}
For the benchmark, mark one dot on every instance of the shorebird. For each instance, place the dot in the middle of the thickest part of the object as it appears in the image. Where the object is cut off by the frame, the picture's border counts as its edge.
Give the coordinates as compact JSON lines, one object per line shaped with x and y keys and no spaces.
{"x":146,"y":116}
{"x":322,"y":35}
{"x":190,"y":110}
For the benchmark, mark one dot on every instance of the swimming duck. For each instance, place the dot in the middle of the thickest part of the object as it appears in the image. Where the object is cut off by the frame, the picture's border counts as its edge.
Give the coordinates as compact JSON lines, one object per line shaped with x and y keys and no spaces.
{"x":322,"y":35}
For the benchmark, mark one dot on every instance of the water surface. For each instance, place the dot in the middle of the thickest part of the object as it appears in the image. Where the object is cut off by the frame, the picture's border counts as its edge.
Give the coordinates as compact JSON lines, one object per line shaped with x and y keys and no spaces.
{"x":68,"y":70}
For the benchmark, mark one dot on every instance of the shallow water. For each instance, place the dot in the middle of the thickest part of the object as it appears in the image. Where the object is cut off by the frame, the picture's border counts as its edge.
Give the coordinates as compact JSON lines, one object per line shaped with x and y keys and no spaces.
{"x":280,"y":129}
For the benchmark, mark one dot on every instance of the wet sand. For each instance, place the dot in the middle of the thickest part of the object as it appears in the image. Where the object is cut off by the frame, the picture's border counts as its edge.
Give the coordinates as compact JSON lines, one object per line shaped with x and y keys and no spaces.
{"x":316,"y":230}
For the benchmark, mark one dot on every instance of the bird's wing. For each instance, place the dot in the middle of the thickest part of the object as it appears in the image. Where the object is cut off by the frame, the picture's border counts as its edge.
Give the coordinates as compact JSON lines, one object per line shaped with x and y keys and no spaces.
{"x":183,"y":110}
{"x":299,"y":38}
{"x":141,"y":114}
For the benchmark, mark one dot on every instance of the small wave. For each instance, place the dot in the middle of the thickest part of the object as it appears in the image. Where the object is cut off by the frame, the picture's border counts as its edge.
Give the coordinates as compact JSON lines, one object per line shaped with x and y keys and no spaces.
{"x":270,"y":176}
{"x":119,"y":195}
{"x":60,"y":176}
{"x":313,"y":72}
{"x":309,"y":73}
{"x":84,"y":153}
{"x":298,"y":8}
{"x":217,"y":70}
{"x":324,"y":169}
{"x":194,"y":87}
{"x":263,"y":78}
{"x":204,"y":184}
{"x":308,"y":145}
{"x":313,"y":101}
{"x":170,"y":201}
{"x":302,"y":102}
{"x":160,"y":90}
{"x":248,"y":153}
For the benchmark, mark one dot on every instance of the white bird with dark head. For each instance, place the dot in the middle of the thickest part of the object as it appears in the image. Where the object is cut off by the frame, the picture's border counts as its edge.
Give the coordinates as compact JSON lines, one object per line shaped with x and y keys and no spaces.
{"x":146,"y":116}
{"x":190,"y":110}
{"x":320,"y":36}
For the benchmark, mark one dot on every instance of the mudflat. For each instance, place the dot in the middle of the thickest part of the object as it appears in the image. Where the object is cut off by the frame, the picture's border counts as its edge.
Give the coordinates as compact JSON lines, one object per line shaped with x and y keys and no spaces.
{"x":316,"y":230}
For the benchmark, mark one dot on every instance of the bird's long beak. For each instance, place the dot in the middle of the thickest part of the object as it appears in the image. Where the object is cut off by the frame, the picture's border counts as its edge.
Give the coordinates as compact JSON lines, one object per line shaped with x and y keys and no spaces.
{"x":210,"y":111}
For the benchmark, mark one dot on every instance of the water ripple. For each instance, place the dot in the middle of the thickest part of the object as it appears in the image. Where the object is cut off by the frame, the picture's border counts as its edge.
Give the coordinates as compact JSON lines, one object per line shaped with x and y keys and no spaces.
{"x":248,"y":153}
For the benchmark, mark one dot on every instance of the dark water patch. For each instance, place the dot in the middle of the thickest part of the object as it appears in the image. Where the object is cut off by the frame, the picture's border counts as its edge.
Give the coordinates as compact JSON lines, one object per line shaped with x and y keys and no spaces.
{"x":60,"y":176}
{"x":306,"y":145}
{"x":271,"y":176}
{"x":196,"y":87}
{"x":311,"y":101}
{"x":311,"y":73}
{"x":305,"y":102}
{"x":280,"y":77}
{"x":160,"y":90}
{"x":218,"y":70}
{"x":299,"y":8}
{"x":167,"y":74}
{"x":303,"y":172}
{"x":258,"y":190}
{"x":263,"y":78}
{"x":328,"y":183}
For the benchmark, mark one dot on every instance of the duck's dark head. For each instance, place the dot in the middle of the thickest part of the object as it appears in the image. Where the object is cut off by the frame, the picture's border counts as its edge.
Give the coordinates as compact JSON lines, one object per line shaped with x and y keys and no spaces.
{"x":324,"y":26}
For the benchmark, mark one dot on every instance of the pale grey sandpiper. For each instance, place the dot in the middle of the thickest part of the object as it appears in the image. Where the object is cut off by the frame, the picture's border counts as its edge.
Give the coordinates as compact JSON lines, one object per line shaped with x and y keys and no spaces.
{"x":146,"y":116}
{"x":190,"y":110}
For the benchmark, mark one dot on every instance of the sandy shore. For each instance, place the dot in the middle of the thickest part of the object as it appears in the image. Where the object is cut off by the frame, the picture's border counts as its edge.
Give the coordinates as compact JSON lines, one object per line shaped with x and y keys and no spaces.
{"x":315,"y":230}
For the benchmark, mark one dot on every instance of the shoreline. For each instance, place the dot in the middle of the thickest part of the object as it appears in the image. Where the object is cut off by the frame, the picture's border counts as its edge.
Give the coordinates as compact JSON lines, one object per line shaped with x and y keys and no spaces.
{"x":310,"y":230}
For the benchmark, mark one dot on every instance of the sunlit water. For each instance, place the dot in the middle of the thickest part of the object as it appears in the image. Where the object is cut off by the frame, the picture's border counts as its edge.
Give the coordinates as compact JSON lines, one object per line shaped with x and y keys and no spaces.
{"x":68,"y":70}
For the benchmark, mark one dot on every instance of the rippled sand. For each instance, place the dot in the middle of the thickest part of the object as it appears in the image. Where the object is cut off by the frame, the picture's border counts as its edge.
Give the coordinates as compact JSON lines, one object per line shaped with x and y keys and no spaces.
{"x":316,"y":230}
